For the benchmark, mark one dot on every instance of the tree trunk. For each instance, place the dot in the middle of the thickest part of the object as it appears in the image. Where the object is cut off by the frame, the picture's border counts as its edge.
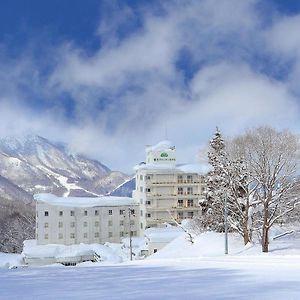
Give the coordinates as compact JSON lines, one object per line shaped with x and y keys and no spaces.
{"x":246,"y":236}
{"x":265,"y":233}
{"x":265,"y":240}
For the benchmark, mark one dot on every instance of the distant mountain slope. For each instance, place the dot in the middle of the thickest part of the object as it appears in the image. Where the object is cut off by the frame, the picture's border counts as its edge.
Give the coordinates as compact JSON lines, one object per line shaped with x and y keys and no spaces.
{"x":125,"y":189}
{"x":33,"y":164}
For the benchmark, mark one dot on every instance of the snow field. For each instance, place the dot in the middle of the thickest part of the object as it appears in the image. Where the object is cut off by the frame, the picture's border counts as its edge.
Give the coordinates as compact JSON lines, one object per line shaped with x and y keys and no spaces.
{"x":180,"y":270}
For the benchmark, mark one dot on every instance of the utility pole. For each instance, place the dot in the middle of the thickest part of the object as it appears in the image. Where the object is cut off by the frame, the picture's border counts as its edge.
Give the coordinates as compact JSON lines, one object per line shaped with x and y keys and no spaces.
{"x":130,"y":232}
{"x":226,"y":223}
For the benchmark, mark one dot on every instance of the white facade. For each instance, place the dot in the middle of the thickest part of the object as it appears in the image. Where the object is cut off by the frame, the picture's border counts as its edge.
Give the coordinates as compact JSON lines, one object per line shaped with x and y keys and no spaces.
{"x":75,"y":220}
{"x":166,"y":192}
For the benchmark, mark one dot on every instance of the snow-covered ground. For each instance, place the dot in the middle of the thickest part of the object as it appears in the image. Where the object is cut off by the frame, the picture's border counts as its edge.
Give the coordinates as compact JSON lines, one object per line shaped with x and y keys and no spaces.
{"x":180,"y":270}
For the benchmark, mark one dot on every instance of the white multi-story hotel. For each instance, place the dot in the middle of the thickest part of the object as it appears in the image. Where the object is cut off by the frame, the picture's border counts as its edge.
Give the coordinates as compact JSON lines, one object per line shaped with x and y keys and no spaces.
{"x":167,"y":193}
{"x":74,"y":220}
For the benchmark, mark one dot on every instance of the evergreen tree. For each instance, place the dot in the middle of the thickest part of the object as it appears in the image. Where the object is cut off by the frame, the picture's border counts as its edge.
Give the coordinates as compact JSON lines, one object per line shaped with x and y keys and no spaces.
{"x":216,"y":184}
{"x":229,"y":178}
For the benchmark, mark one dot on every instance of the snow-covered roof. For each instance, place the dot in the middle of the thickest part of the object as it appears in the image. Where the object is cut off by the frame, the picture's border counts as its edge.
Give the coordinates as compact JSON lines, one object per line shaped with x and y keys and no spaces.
{"x":161,"y":146}
{"x":85,"y":201}
{"x":163,"y":235}
{"x":194,"y":168}
{"x":32,"y":250}
{"x":144,"y":166}
{"x":186,"y":168}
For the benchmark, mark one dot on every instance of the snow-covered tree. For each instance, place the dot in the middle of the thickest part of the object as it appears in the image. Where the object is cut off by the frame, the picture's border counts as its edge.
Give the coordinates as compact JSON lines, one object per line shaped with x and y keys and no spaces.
{"x":271,"y":159}
{"x":216,"y":183}
{"x":229,"y":178}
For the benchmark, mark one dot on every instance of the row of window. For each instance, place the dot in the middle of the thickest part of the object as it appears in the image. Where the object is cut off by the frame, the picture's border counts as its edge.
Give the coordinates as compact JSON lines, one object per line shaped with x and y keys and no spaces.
{"x":85,"y":224}
{"x":180,"y":202}
{"x":85,"y":235}
{"x":190,"y":214}
{"x":180,"y":178}
{"x":189,"y":203}
{"x":189,"y":190}
{"x":85,"y":213}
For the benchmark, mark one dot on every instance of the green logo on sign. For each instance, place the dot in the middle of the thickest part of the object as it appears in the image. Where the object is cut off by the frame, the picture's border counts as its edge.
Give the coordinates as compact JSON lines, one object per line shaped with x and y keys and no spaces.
{"x":164,"y":154}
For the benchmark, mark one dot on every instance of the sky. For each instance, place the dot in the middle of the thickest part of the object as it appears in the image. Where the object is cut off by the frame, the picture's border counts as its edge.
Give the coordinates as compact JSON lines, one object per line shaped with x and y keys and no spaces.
{"x":109,"y":77}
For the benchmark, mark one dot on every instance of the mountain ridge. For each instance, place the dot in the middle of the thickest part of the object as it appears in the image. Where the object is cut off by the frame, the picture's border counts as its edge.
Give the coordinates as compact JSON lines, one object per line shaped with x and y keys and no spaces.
{"x":33,"y":164}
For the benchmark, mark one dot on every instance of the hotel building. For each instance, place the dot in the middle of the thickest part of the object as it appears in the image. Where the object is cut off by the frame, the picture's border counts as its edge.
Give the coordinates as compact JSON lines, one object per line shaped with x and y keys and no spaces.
{"x":167,"y":193}
{"x":75,"y":220}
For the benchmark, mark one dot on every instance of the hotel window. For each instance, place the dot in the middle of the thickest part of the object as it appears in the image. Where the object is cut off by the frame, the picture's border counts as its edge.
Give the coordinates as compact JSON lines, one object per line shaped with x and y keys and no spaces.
{"x":141,"y":188}
{"x":60,"y":236}
{"x":46,"y":225}
{"x":72,"y":224}
{"x":84,"y":224}
{"x":60,"y":224}
{"x":141,"y":213}
{"x":190,"y":203}
{"x":131,"y":222}
{"x":180,"y":191}
{"x":97,"y":234}
{"x":189,"y":190}
{"x":190,"y":214}
{"x":96,"y":212}
{"x":72,"y":235}
{"x":72,"y":213}
{"x":46,"y":236}
{"x":96,"y":224}
{"x":189,"y":178}
{"x":61,"y":213}
{"x":46,"y":214}
{"x":110,"y":212}
{"x":148,"y":177}
{"x":141,"y":225}
{"x":110,"y":223}
{"x":132,"y":211}
{"x":141,"y":177}
{"x":148,"y":202}
{"x":85,"y":235}
{"x":148,"y":215}
{"x":180,"y":179}
{"x":110,"y":234}
{"x":180,"y":215}
{"x":180,"y":203}
{"x":121,"y":234}
{"x":121,"y":223}
{"x":122,"y":211}
{"x":148,"y":190}
{"x":85,"y":212}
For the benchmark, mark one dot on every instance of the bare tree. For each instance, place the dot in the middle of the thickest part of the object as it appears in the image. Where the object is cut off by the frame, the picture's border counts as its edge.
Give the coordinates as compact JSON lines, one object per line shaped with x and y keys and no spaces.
{"x":271,"y":159}
{"x":17,"y":223}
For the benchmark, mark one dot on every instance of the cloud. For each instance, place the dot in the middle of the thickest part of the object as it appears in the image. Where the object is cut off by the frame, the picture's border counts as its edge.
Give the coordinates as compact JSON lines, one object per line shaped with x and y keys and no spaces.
{"x":135,"y":87}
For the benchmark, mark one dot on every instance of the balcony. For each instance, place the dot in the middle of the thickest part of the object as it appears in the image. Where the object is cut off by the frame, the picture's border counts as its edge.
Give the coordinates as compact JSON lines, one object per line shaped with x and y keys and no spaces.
{"x":188,"y":182}
{"x":177,"y":195}
{"x":184,"y":208}
{"x":160,"y":183}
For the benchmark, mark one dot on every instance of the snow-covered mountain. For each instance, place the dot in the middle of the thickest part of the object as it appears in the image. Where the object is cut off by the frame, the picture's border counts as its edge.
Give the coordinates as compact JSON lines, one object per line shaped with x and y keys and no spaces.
{"x":33,"y":164}
{"x":125,"y":189}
